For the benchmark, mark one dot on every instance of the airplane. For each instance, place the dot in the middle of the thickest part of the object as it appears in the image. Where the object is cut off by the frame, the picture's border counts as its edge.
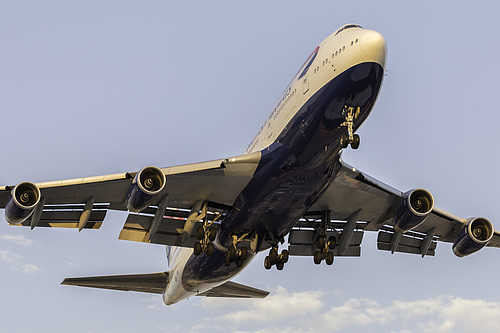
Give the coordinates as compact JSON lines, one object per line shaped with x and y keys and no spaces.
{"x":290,"y":188}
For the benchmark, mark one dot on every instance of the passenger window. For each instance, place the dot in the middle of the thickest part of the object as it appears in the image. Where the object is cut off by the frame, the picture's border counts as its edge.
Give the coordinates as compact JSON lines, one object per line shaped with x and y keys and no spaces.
{"x":343,"y":48}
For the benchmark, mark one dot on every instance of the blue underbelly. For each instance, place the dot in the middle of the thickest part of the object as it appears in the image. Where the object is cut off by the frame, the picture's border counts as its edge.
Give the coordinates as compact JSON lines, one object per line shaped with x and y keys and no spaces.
{"x":295,"y":170}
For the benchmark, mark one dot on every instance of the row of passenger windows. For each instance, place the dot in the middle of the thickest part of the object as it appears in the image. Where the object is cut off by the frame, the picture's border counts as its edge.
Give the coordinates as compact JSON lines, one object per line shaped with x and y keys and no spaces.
{"x":273,"y":115}
{"x":336,"y":54}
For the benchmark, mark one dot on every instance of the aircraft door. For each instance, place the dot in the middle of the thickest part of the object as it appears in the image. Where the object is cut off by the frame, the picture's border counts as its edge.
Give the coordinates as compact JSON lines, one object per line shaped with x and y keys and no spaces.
{"x":305,"y":83}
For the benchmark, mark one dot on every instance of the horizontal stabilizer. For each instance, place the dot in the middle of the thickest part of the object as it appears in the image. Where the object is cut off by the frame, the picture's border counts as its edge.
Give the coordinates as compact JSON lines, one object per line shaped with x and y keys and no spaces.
{"x":146,"y":283}
{"x":233,"y":289}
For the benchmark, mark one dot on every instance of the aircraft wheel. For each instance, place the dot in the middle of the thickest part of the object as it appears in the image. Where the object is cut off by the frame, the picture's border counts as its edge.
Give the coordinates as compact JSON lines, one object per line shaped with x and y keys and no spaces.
{"x":273,"y":256}
{"x":210,"y":249}
{"x":355,"y":142}
{"x":320,"y":242}
{"x":197,"y":249}
{"x":244,"y":253}
{"x":329,"y":258}
{"x":227,"y":262}
{"x":344,"y":141}
{"x":232,"y":253}
{"x":318,"y":256}
{"x":284,"y":256}
{"x":200,"y":233}
{"x":212,"y":233}
{"x":333,"y":242}
{"x":267,"y":263}
{"x":279,"y":266}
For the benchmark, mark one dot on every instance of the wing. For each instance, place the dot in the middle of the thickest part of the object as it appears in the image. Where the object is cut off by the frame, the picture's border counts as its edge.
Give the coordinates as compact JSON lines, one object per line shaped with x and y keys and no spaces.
{"x":192,"y":192}
{"x":356,"y":202}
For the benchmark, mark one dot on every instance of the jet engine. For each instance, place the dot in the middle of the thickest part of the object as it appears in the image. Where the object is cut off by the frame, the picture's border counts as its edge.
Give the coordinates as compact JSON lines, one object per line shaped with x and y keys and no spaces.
{"x":22,"y":201}
{"x":413,"y":210}
{"x":147,"y":184}
{"x":473,"y":237}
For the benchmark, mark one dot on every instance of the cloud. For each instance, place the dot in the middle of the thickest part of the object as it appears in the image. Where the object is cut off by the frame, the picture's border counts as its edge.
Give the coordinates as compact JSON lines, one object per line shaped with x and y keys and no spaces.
{"x":314,"y":311}
{"x":14,"y":260}
{"x":18,"y":239}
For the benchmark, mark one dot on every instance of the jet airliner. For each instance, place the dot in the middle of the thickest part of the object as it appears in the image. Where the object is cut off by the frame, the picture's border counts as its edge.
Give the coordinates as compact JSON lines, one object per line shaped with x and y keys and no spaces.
{"x":289,"y":194}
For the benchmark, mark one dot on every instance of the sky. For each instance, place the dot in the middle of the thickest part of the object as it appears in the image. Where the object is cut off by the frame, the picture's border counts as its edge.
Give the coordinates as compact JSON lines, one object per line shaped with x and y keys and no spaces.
{"x":91,"y":88}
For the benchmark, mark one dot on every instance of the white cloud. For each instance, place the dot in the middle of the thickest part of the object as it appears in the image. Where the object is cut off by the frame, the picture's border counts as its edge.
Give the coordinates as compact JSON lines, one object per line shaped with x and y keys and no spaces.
{"x":29,"y":268}
{"x":317,"y":311}
{"x":18,"y":239}
{"x":14,"y":260}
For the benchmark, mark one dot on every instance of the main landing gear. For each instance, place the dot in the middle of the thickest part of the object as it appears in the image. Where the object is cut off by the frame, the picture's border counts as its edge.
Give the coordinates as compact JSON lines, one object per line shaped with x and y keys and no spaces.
{"x":274,"y":259}
{"x":350,"y":113}
{"x":205,"y":235}
{"x":323,"y":247}
{"x":234,"y":254}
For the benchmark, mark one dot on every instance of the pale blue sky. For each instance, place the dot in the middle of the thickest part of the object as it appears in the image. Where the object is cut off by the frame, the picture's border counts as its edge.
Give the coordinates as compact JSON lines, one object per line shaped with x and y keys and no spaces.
{"x":91,"y":87}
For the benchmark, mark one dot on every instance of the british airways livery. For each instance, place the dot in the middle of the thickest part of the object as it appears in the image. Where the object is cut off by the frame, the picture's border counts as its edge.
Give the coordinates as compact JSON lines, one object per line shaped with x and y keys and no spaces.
{"x":289,"y":194}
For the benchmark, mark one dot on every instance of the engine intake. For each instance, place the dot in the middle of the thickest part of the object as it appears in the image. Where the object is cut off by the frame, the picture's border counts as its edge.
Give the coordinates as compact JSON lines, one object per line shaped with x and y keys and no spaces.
{"x":145,"y":187}
{"x":413,"y":210}
{"x":22,"y":201}
{"x":473,"y":237}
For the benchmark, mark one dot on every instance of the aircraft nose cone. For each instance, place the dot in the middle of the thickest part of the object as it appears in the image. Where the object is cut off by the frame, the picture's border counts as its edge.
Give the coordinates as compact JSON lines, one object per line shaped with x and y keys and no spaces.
{"x":373,"y":45}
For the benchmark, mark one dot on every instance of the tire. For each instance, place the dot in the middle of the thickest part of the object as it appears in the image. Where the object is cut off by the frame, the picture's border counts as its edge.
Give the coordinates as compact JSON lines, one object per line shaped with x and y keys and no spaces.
{"x":197,"y":249}
{"x":273,"y":256}
{"x":200,"y":233}
{"x":244,"y":253}
{"x":355,"y":142}
{"x":320,"y":242}
{"x":210,"y":249}
{"x":212,"y":234}
{"x":318,"y":256}
{"x":329,"y":258}
{"x":344,"y":141}
{"x":279,"y":266}
{"x":232,"y":253}
{"x":333,"y":242}
{"x":285,"y":256}
{"x":267,"y":263}
{"x":227,"y":262}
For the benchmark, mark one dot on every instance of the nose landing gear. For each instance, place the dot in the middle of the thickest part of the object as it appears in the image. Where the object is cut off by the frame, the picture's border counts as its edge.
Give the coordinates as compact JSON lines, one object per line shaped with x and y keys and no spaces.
{"x":350,"y":113}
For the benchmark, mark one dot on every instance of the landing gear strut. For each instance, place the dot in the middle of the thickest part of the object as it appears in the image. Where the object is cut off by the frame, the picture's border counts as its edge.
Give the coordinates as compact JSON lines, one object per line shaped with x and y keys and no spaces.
{"x":350,"y":113}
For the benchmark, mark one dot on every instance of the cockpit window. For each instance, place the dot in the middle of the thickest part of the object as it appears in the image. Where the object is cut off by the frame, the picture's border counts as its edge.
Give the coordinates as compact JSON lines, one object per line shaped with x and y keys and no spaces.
{"x":348,"y":26}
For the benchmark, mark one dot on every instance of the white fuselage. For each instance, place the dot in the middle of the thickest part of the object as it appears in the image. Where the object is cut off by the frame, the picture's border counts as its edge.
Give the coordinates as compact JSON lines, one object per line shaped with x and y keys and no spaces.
{"x":339,"y":52}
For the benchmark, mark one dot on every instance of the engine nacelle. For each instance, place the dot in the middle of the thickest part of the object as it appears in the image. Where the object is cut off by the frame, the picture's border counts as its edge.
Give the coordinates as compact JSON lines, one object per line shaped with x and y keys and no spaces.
{"x":473,"y":237}
{"x":413,"y":210}
{"x":22,"y":201}
{"x":145,"y":187}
